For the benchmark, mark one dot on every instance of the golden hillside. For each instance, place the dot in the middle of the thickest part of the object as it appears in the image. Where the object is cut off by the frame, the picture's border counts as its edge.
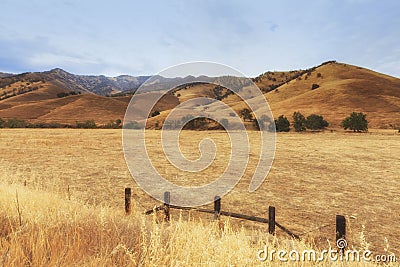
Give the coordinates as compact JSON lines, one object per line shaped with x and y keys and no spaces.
{"x":339,"y":89}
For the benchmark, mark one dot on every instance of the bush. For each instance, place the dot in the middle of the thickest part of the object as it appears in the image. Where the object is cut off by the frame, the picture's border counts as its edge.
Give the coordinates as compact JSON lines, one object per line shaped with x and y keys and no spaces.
{"x":316,"y":122}
{"x":15,"y":123}
{"x":356,"y":122}
{"x":299,"y":122}
{"x":89,"y":124}
{"x":155,"y":113}
{"x":314,"y":86}
{"x":282,"y":124}
{"x":113,"y":124}
{"x":62,"y":94}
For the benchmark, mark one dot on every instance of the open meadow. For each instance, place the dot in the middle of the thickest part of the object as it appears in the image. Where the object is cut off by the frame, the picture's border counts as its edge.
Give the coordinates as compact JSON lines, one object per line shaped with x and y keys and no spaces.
{"x":74,"y":194}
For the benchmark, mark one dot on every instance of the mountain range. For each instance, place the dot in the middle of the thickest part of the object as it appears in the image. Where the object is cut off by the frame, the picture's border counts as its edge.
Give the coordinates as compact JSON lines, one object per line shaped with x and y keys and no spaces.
{"x":331,"y":89}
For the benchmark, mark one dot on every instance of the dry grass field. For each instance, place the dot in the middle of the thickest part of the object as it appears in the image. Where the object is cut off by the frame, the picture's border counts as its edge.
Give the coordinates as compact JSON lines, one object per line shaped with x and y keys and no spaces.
{"x":313,"y":178}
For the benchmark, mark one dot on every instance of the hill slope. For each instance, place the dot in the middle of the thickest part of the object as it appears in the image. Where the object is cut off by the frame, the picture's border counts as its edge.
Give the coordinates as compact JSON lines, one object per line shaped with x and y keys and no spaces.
{"x":332,"y":89}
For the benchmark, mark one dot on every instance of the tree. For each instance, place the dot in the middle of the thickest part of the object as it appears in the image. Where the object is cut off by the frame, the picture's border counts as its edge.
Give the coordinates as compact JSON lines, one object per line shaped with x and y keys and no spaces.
{"x":282,"y":124}
{"x":316,"y":122}
{"x":299,"y":122}
{"x":246,"y":114}
{"x":263,"y":123}
{"x":356,"y":122}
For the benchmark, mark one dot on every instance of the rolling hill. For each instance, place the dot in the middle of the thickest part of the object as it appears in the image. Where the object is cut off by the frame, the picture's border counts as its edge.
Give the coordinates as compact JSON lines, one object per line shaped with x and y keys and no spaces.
{"x":331,"y":89}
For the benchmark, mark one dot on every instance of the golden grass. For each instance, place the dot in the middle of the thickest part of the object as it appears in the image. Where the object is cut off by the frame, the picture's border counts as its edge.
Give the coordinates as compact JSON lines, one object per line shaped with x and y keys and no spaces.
{"x":314,"y":177}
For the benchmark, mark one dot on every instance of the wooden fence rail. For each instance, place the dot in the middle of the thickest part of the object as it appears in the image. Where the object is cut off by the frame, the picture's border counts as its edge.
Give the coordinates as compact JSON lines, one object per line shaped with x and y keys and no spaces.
{"x":217,"y":212}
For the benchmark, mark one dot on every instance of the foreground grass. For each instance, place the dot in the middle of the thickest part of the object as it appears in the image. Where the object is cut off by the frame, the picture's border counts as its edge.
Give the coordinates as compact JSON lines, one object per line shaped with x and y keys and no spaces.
{"x":42,"y":229}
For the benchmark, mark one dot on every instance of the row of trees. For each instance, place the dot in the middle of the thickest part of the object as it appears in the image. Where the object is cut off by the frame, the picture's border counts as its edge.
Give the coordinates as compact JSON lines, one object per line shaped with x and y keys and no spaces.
{"x":356,"y":122}
{"x":88,"y":124}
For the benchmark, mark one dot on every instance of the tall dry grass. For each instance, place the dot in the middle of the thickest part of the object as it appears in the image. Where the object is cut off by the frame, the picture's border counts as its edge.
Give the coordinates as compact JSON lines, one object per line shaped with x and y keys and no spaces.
{"x":314,"y":177}
{"x":54,"y":231}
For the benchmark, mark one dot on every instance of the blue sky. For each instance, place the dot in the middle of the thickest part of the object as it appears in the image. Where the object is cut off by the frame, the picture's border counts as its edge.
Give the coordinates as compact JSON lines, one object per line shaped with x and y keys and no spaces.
{"x":143,"y":38}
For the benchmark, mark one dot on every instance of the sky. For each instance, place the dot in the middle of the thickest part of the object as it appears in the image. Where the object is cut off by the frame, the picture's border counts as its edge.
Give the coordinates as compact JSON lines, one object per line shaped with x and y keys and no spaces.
{"x":145,"y":37}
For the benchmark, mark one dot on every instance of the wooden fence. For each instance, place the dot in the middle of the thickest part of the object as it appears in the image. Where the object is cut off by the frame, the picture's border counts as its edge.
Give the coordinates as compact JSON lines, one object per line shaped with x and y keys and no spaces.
{"x":217,"y":212}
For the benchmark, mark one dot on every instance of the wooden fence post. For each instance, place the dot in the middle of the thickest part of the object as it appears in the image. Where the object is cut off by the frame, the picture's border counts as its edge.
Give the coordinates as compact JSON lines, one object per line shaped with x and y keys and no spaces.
{"x":167,"y":201}
{"x":340,"y":227}
{"x":217,"y":207}
{"x":128,"y":200}
{"x":271,"y":220}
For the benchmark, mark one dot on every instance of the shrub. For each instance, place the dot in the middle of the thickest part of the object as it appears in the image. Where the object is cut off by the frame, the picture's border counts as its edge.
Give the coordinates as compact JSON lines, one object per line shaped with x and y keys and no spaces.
{"x":299,"y":122}
{"x":155,"y":113}
{"x":314,"y":86}
{"x":113,"y":124}
{"x":316,"y":122}
{"x":62,"y":94}
{"x":356,"y":122}
{"x":282,"y":124}
{"x":89,"y":124}
{"x":15,"y":123}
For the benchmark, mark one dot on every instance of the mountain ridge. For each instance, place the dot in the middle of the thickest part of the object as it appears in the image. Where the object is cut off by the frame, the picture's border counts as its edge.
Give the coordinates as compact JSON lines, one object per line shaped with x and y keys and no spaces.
{"x":340,"y":88}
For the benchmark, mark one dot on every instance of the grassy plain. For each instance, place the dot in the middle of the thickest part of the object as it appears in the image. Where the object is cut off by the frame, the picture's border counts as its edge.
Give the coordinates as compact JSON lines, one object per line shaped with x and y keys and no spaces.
{"x":314,"y":177}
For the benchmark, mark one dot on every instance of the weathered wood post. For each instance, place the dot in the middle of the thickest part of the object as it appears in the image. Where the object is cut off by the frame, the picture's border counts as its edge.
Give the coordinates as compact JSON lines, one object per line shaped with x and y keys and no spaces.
{"x":217,"y":207}
{"x":271,"y":220}
{"x":128,"y":194}
{"x":167,"y":201}
{"x":341,"y":232}
{"x":69,"y":193}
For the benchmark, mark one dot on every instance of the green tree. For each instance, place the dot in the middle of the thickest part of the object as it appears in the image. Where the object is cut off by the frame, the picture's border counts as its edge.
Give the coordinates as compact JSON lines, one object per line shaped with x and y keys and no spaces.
{"x":356,"y":122}
{"x":316,"y":122}
{"x":246,"y":114}
{"x":263,"y":123}
{"x":299,"y":122}
{"x":282,"y":124}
